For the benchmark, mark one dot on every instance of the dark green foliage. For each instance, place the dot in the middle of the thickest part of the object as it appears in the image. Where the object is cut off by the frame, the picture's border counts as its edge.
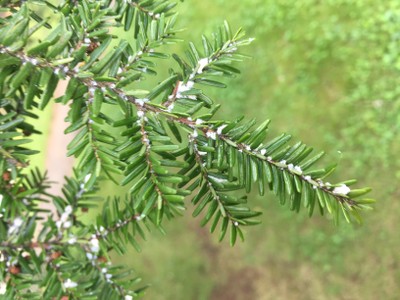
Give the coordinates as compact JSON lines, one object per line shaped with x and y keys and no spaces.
{"x":164,"y":144}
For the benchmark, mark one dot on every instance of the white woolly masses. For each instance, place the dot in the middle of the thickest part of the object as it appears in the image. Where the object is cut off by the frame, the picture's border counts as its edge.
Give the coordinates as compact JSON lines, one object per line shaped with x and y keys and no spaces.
{"x":141,"y":102}
{"x":140,"y":113}
{"x":69,"y":284}
{"x":294,"y":169}
{"x":341,"y":190}
{"x":64,"y":221}
{"x":16,"y":225}
{"x":211,"y":134}
{"x":220,"y":128}
{"x":94,"y":245}
{"x":184,"y":87}
{"x":202,"y":64}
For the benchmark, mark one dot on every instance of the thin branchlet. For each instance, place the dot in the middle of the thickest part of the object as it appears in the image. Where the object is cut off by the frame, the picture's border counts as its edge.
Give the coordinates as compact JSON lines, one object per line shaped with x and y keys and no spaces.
{"x":192,"y":124}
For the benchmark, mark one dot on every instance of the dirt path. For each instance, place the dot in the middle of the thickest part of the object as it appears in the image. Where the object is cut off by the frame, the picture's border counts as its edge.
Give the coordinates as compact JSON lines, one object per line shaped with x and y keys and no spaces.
{"x":58,"y":164}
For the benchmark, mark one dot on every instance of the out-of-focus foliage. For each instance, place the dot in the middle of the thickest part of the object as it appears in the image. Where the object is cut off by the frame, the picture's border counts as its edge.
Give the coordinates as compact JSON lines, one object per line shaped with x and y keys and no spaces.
{"x":347,"y":50}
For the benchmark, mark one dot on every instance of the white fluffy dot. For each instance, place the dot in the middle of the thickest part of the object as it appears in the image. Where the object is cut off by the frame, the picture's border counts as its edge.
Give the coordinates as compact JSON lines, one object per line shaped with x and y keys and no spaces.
{"x":342,"y":190}
{"x":69,"y":284}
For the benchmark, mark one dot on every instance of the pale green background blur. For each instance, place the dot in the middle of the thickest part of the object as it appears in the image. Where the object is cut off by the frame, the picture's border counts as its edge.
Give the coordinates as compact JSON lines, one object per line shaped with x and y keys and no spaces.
{"x":328,"y":73}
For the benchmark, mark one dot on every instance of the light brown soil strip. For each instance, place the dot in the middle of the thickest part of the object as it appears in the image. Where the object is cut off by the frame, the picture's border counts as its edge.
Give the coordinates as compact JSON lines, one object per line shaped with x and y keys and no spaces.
{"x":57,"y":163}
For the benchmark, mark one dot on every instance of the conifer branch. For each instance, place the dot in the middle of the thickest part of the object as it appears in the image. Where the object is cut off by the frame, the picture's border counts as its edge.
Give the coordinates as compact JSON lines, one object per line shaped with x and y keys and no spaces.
{"x":142,"y":106}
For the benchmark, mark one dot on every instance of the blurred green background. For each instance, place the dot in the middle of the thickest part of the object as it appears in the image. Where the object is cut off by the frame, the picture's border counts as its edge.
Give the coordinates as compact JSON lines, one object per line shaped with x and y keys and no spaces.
{"x":328,"y":73}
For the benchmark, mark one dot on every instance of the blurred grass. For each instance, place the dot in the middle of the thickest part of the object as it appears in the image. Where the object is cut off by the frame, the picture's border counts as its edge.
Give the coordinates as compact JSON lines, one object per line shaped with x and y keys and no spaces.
{"x":327,"y":72}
